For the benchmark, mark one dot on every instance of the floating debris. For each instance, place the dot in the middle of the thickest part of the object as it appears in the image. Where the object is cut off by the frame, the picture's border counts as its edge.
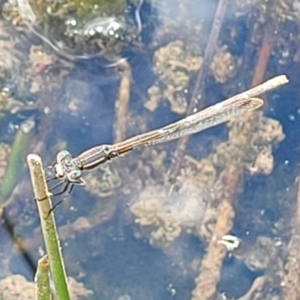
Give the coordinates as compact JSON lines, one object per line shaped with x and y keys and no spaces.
{"x":231,"y":242}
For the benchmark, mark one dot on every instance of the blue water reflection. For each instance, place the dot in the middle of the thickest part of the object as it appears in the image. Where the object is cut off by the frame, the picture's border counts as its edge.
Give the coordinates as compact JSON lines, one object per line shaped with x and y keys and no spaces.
{"x":124,"y":236}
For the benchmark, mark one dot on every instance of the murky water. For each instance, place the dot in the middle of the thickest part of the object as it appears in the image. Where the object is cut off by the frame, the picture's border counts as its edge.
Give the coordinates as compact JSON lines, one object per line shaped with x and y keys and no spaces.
{"x":74,"y":76}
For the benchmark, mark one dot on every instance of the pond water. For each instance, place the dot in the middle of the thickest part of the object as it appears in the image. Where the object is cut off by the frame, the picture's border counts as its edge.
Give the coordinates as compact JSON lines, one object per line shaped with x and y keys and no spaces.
{"x":157,"y":223}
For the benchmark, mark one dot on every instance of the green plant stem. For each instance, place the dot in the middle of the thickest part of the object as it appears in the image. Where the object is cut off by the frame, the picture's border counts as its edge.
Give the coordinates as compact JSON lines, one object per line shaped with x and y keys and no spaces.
{"x":42,"y":279}
{"x":48,"y":226}
{"x":14,"y":165}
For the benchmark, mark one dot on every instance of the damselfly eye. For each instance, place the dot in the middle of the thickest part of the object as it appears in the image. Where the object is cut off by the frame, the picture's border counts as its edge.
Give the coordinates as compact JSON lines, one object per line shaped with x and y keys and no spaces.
{"x":64,"y":152}
{"x":75,"y":175}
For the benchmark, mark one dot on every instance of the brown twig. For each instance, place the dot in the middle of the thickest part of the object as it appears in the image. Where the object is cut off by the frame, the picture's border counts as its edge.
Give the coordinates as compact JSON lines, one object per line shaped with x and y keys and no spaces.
{"x":206,"y":283}
{"x":198,"y":92}
{"x":121,"y":105}
{"x":263,"y":55}
{"x":292,"y":277}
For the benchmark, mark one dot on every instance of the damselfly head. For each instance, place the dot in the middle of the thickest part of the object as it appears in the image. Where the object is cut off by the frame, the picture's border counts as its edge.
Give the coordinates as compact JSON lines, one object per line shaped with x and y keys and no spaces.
{"x":63,"y":163}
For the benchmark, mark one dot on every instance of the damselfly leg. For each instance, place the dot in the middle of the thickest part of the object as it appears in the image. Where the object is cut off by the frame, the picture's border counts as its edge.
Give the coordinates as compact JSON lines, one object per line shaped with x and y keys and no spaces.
{"x":62,"y":182}
{"x":46,"y":172}
{"x":71,"y":177}
{"x":63,"y":171}
{"x":55,"y":186}
{"x":68,"y":189}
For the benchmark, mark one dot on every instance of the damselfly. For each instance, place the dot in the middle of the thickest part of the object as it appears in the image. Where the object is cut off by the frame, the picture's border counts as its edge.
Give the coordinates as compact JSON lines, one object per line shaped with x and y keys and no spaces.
{"x":69,"y":170}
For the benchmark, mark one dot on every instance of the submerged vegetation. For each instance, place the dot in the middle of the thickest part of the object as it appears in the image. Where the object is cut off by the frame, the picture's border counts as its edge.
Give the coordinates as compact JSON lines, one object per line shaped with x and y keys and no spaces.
{"x":82,"y":73}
